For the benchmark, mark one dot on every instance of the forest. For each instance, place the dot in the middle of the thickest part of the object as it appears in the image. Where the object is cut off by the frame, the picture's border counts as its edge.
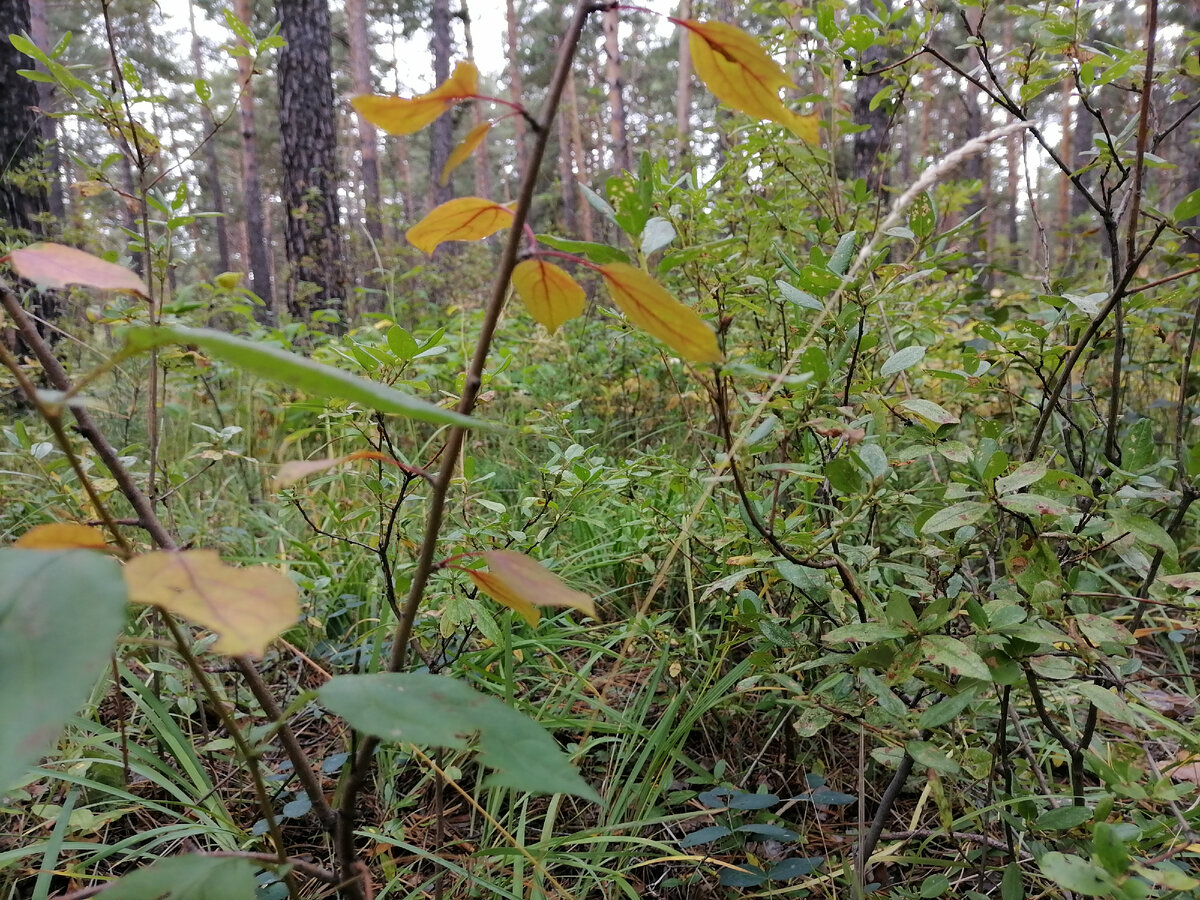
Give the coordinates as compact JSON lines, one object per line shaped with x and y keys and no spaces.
{"x":587,"y":450}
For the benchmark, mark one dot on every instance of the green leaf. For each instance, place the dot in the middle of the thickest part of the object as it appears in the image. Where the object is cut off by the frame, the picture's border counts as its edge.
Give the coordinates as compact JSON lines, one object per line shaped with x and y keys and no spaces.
{"x":295,"y":371}
{"x":189,"y":878}
{"x":928,"y":756}
{"x":597,"y":253}
{"x":28,"y":47}
{"x":60,"y":613}
{"x":1145,"y":530}
{"x":946,"y":710}
{"x":901,"y":360}
{"x":1035,"y":505}
{"x":1063,"y":818}
{"x":839,"y":262}
{"x":1188,"y":207}
{"x":1108,"y":849}
{"x":930,"y":414}
{"x":955,"y":516}
{"x":864,"y":633}
{"x":657,"y":234}
{"x":1012,"y":885}
{"x":401,"y":343}
{"x":921,"y":216}
{"x":431,"y":710}
{"x":598,"y":203}
{"x":843,"y":476}
{"x":797,"y":297}
{"x":1022,"y":476}
{"x":1137,"y":447}
{"x":955,"y":656}
{"x":1072,"y":873}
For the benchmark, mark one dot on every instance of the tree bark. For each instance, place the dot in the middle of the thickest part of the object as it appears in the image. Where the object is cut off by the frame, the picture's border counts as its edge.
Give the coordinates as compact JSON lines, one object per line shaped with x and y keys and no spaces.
{"x":23,"y":204}
{"x":579,"y":155}
{"x":516,"y":92}
{"x":683,"y":90}
{"x":441,"y":132}
{"x":1062,"y":220}
{"x":308,"y":145}
{"x":616,"y":100}
{"x":216,"y":194}
{"x":871,"y":144}
{"x":481,"y":157}
{"x":48,"y":125}
{"x":368,"y":141}
{"x":254,"y":219}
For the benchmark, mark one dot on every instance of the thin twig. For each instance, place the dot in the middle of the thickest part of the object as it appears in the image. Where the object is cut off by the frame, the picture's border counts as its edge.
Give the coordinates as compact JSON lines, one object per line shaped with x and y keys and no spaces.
{"x":362,"y":761}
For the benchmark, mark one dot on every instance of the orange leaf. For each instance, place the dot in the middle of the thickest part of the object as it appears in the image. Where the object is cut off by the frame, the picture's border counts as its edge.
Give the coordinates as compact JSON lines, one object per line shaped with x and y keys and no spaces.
{"x":404,"y":115}
{"x":298,"y":469}
{"x":651,"y":308}
{"x":62,"y":536}
{"x":57,"y":266}
{"x":248,"y":607}
{"x":464,"y":149}
{"x":550,"y":294}
{"x":518,"y":582}
{"x":462,"y":219}
{"x":734,"y":66}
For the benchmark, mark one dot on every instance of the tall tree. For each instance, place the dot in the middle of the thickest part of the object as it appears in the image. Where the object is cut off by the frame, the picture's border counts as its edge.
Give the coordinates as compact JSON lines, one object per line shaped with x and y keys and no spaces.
{"x":616,"y":98}
{"x":49,"y":125}
{"x":216,"y":193}
{"x":252,"y":194}
{"x":871,"y":143}
{"x":579,"y":155}
{"x":515,"y":88}
{"x":308,"y":146}
{"x":683,"y":89}
{"x":22,"y":198}
{"x":441,"y":133}
{"x":482,"y":158}
{"x":368,"y":141}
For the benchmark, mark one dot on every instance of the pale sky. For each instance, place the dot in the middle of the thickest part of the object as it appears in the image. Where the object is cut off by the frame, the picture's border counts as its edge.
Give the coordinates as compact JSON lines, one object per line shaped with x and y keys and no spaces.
{"x":488,"y":30}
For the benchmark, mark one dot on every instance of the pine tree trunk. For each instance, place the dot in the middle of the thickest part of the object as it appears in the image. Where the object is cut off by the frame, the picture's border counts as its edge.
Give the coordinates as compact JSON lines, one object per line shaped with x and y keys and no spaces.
{"x":360,"y":78}
{"x":441,"y":132}
{"x":566,"y":179}
{"x":482,"y":156}
{"x":216,"y":194}
{"x":252,"y":195}
{"x":516,"y":91}
{"x":871,"y":144}
{"x":1062,"y":220}
{"x":683,"y":90}
{"x":308,"y":146}
{"x":21,"y":207}
{"x":616,"y":100}
{"x":579,"y":155}
{"x":48,"y":125}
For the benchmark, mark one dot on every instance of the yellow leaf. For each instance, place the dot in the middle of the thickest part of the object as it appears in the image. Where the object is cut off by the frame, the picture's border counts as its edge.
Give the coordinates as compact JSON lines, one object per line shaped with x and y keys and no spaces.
{"x":734,"y":66}
{"x":518,"y":582}
{"x":550,"y":294}
{"x":248,"y":607}
{"x":404,"y":115}
{"x":57,"y":266}
{"x":463,"y":219}
{"x":87,"y":189}
{"x":648,"y":306}
{"x":464,"y":149}
{"x":62,"y":536}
